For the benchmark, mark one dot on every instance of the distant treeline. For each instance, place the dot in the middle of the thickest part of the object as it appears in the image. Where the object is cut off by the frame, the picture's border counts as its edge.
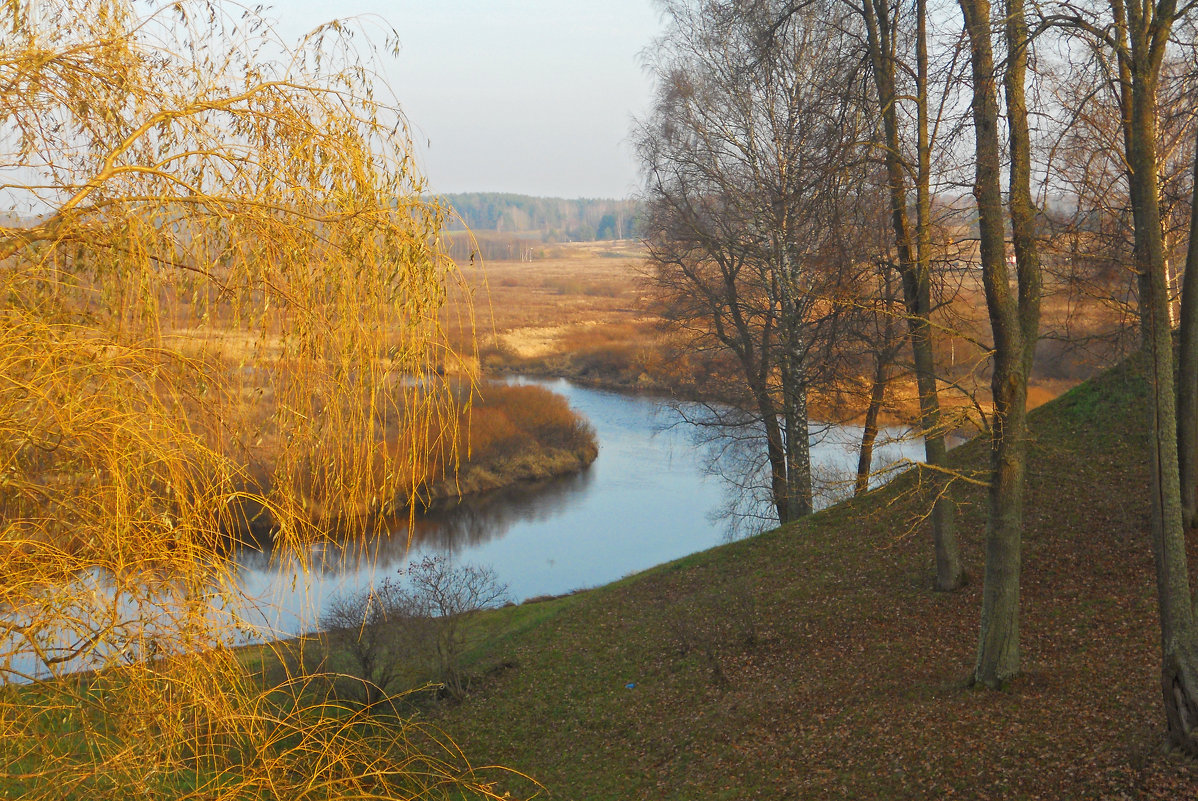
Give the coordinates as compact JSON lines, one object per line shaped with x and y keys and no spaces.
{"x":545,"y":219}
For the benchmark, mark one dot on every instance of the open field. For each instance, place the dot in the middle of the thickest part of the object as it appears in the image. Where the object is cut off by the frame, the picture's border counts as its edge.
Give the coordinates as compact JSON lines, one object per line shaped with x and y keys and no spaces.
{"x":580,"y":314}
{"x":584,"y":313}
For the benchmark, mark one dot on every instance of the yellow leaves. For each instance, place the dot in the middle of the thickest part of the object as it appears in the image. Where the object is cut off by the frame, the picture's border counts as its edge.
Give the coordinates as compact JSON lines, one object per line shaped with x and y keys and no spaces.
{"x":203,"y":312}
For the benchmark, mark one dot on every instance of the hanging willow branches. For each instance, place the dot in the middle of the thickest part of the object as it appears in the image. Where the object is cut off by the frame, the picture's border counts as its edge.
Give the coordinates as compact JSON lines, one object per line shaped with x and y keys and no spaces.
{"x":220,"y":315}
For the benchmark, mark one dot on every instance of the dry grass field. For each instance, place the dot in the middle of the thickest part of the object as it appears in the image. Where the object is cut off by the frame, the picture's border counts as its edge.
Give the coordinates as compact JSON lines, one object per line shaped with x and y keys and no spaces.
{"x":486,"y":436}
{"x":580,"y":313}
{"x":583,"y":313}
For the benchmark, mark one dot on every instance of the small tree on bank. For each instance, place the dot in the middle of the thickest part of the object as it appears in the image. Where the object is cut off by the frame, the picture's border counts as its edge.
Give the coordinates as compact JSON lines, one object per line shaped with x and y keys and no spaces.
{"x":751,"y":161}
{"x":379,"y":632}
{"x":419,"y":626}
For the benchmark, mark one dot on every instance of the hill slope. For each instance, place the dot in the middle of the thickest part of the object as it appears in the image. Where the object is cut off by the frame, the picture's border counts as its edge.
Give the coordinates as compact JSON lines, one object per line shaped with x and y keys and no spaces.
{"x":815,"y":661}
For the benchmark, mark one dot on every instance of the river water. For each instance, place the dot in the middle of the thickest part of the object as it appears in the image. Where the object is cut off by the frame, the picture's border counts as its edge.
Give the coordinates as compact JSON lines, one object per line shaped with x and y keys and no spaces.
{"x":647,"y":499}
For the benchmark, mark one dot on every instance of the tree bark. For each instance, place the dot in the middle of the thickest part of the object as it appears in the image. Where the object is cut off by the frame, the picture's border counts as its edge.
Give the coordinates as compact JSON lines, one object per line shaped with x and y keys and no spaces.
{"x":798,"y":451}
{"x":869,"y":433}
{"x":914,"y":269}
{"x":1187,"y":375}
{"x":1014,"y":322}
{"x":1143,"y":32}
{"x":775,"y":451}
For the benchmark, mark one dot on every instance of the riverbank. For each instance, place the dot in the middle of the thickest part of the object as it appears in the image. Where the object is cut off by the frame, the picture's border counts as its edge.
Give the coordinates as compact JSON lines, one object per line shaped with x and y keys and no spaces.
{"x":585,"y":315}
{"x":648,"y":499}
{"x":497,"y":436}
{"x":514,"y":434}
{"x":816,"y":662}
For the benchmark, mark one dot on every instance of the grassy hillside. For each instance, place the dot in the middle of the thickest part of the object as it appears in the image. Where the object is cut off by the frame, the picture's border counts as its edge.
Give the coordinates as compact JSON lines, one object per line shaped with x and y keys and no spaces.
{"x":815,"y":661}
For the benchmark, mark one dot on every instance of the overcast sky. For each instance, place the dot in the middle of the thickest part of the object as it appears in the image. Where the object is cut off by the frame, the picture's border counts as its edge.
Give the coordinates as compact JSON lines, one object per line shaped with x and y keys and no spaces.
{"x":527,"y":96}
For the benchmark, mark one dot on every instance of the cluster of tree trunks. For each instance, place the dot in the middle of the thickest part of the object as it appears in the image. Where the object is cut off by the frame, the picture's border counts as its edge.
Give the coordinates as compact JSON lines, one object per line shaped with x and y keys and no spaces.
{"x":731,"y":191}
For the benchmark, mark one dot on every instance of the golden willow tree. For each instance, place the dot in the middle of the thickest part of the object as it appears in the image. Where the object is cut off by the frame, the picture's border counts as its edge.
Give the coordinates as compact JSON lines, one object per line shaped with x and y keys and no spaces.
{"x":221,"y":293}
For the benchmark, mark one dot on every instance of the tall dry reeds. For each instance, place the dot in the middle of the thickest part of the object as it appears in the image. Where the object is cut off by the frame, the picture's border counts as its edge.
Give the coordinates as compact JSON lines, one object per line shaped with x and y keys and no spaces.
{"x":503,"y":434}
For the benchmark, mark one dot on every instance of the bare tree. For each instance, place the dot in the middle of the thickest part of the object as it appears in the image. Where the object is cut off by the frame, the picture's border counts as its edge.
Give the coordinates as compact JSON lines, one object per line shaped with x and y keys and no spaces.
{"x":418,"y":627}
{"x":885,"y":25}
{"x":447,"y":596}
{"x":1136,"y":35}
{"x":1134,"y":38}
{"x":380,"y":632}
{"x":753,"y":166}
{"x":1014,"y":318}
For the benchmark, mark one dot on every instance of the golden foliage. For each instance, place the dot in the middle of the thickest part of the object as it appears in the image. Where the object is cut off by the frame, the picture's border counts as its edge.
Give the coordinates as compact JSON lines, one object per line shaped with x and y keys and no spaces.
{"x":221,"y":291}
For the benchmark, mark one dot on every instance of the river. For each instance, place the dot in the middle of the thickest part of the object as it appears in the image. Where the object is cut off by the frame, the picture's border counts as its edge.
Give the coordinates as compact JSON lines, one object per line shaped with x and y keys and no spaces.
{"x":647,"y":499}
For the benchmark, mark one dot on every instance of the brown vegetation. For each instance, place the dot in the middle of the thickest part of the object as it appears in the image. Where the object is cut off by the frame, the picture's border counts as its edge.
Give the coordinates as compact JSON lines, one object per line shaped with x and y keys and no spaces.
{"x":510,"y":434}
{"x":497,"y":435}
{"x":583,"y":312}
{"x":580,"y":313}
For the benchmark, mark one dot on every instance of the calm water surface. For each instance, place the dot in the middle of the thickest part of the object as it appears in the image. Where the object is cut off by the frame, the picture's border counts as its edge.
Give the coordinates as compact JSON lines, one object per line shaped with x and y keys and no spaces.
{"x":646,"y":499}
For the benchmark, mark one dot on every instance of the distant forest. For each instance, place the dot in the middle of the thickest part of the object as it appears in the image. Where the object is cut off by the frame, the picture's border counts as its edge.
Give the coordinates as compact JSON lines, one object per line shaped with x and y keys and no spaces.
{"x":545,"y":219}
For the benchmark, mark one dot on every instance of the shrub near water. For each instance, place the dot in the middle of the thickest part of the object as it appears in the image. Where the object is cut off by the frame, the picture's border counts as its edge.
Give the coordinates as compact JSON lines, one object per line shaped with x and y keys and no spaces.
{"x":504,"y":435}
{"x":415,"y":629}
{"x":536,"y":414}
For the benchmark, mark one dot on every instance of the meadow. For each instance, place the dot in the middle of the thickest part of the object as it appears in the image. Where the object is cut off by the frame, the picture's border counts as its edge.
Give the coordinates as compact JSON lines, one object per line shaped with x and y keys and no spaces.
{"x":578,"y":311}
{"x":585,"y":311}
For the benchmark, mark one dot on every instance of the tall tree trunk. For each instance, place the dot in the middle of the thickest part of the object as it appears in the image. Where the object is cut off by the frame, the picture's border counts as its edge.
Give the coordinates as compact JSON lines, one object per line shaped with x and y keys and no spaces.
{"x":914,"y":268}
{"x":798,"y":450}
{"x":1187,"y":374}
{"x":917,"y":292}
{"x":869,"y":433}
{"x":1013,"y":321}
{"x":775,"y":451}
{"x":1179,"y":645}
{"x":1144,"y":31}
{"x":998,"y":643}
{"x":791,"y":377}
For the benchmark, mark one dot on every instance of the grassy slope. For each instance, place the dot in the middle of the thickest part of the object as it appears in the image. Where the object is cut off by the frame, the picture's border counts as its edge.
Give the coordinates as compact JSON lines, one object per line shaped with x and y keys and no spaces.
{"x":814,"y":661}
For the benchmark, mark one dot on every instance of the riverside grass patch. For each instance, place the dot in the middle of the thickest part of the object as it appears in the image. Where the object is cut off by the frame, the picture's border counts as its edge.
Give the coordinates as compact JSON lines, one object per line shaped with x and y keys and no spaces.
{"x":816,"y":661}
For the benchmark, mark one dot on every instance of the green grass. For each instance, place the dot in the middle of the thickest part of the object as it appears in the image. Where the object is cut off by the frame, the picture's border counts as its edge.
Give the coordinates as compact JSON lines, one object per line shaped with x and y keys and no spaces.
{"x":816,"y":662}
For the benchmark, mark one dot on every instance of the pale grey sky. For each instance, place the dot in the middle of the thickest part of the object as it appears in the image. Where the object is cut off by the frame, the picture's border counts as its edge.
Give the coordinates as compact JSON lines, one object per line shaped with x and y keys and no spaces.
{"x":528,"y":96}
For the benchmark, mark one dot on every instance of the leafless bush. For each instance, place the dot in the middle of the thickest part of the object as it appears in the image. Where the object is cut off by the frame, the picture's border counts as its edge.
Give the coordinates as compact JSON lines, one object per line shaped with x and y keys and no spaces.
{"x":378,"y":631}
{"x":419,"y":627}
{"x":447,"y":596}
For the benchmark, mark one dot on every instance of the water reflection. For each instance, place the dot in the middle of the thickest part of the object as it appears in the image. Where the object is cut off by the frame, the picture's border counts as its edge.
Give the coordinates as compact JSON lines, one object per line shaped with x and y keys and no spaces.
{"x":472,"y":523}
{"x":648,"y":498}
{"x":453,"y":529}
